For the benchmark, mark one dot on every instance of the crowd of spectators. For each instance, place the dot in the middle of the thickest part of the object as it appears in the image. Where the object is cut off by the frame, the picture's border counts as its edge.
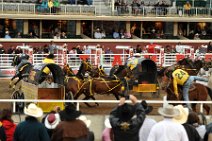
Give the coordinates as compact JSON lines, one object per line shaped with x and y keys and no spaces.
{"x":127,"y":121}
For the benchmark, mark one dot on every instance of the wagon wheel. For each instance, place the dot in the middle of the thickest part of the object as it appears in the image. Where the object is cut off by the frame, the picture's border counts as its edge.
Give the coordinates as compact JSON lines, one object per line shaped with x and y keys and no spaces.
{"x":19,"y":106}
{"x":68,"y":96}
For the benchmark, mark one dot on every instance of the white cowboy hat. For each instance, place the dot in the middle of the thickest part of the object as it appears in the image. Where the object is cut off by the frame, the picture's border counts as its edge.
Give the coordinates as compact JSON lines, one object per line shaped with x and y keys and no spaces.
{"x":33,"y":110}
{"x":107,"y":123}
{"x":168,"y":111}
{"x":85,"y":120}
{"x":183,"y":116}
{"x":52,"y":120}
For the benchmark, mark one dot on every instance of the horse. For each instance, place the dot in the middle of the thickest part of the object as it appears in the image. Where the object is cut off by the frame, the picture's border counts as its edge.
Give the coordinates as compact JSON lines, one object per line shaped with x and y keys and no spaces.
{"x":112,"y":84}
{"x":23,"y":71}
{"x":197,"y":92}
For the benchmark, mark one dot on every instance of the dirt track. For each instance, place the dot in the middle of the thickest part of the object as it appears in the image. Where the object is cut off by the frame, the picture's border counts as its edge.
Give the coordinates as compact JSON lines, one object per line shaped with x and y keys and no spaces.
{"x":103,"y":108}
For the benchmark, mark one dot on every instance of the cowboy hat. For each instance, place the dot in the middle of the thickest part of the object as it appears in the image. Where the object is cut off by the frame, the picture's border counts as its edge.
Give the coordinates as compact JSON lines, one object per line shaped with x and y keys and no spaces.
{"x":168,"y":111}
{"x":107,"y":123}
{"x":183,"y":116}
{"x":125,"y":112}
{"x":50,"y":56}
{"x":33,"y":110}
{"x":85,"y":120}
{"x":52,"y":120}
{"x":147,"y":109}
{"x":69,"y":113}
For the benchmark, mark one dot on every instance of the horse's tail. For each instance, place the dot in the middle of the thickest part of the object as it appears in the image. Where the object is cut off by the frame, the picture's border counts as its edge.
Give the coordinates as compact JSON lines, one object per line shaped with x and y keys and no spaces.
{"x":209,"y":92}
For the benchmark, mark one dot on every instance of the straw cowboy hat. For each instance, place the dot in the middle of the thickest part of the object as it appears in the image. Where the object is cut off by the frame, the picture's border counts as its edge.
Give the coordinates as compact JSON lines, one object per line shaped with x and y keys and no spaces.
{"x":168,"y":111}
{"x":107,"y":123}
{"x":69,"y":113}
{"x":183,"y":116}
{"x":52,"y":120}
{"x":85,"y":120}
{"x":33,"y":110}
{"x":147,"y":109}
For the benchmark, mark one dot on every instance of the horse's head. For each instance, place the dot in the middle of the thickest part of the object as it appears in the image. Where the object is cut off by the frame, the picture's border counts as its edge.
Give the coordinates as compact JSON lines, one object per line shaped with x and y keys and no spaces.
{"x":98,"y":72}
{"x":67,"y":70}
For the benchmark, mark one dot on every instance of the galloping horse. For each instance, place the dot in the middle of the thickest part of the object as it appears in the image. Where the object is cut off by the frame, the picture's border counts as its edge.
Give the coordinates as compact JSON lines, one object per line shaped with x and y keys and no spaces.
{"x":111,"y":85}
{"x":23,"y":71}
{"x":197,"y":92}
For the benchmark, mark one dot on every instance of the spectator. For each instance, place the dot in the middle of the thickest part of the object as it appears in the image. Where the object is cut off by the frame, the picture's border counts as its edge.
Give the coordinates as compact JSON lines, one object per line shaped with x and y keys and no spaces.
{"x":18,"y":35}
{"x":97,"y":34}
{"x":45,"y":49}
{"x":87,"y":50}
{"x":56,"y":6}
{"x":63,"y":36}
{"x":52,"y":47}
{"x":70,"y":128}
{"x":78,"y":49}
{"x":88,"y":123}
{"x":2,"y":50}
{"x":31,"y":35}
{"x":107,"y":134}
{"x":193,"y":119}
{"x":116,"y":34}
{"x":8,"y":124}
{"x":209,"y":47}
{"x":51,"y":6}
{"x":2,"y":133}
{"x":11,"y":50}
{"x":167,"y":129}
{"x":192,"y":133}
{"x":187,"y":8}
{"x":135,"y":7}
{"x":56,"y":35}
{"x":208,"y":135}
{"x":125,"y":127}
{"x":196,"y":36}
{"x":148,"y":123}
{"x":31,"y":129}
{"x":51,"y":121}
{"x":138,"y":49}
{"x":7,"y":36}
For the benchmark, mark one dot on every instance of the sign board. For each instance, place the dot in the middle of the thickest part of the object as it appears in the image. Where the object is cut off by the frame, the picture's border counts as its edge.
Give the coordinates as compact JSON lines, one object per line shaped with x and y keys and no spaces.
{"x":7,"y":72}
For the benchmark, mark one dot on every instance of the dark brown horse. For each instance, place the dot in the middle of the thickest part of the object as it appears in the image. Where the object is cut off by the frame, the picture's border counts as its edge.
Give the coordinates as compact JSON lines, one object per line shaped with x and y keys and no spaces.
{"x":111,"y":85}
{"x":197,"y":92}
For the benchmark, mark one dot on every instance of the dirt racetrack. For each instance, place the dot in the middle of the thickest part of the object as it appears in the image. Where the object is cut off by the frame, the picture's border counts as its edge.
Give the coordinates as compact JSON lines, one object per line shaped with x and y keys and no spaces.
{"x":103,"y":108}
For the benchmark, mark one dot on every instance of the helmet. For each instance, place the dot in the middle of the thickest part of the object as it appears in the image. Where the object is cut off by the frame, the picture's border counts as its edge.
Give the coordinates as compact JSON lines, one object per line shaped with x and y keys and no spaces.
{"x":24,"y":56}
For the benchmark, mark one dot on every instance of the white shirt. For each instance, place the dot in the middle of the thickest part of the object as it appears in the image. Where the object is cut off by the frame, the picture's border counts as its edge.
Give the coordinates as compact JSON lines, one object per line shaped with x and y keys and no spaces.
{"x":145,"y":128}
{"x":181,"y":48}
{"x":201,"y":130}
{"x":167,"y":130}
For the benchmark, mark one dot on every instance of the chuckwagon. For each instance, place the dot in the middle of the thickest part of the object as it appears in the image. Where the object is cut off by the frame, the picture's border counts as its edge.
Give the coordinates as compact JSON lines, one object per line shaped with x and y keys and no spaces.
{"x":51,"y":90}
{"x":145,"y":77}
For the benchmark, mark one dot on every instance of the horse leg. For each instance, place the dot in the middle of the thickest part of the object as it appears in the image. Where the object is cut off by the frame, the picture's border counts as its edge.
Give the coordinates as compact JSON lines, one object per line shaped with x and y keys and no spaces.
{"x":11,"y":80}
{"x":207,"y":108}
{"x":92,"y":97}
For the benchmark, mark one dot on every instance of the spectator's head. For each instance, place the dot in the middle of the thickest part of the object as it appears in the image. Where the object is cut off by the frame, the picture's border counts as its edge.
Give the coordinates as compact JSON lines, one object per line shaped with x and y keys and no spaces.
{"x":33,"y":110}
{"x":125,"y":112}
{"x":168,"y":111}
{"x":6,"y":114}
{"x":1,"y":46}
{"x":52,"y":120}
{"x":146,"y":107}
{"x":50,"y":56}
{"x":183,"y":116}
{"x":7,"y":32}
{"x":69,"y":113}
{"x":85,"y":120}
{"x":193,"y":119}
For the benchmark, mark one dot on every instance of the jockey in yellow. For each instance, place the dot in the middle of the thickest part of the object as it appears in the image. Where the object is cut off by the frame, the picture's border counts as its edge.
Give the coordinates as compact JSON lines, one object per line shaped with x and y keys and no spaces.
{"x":181,"y":77}
{"x":48,"y":59}
{"x":46,"y":71}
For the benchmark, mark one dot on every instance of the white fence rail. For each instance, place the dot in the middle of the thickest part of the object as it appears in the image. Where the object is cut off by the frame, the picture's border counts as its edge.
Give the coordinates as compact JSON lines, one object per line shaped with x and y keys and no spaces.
{"x":100,"y":101}
{"x":105,"y":60}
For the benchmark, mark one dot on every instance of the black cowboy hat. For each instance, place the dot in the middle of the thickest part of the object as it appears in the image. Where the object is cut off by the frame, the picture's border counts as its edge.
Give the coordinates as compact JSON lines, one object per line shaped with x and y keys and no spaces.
{"x":50,"y":56}
{"x":147,"y":109}
{"x":125,"y":112}
{"x":69,"y":113}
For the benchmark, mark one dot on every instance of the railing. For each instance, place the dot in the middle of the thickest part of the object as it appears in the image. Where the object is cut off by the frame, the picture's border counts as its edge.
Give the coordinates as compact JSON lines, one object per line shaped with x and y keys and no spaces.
{"x":31,"y":8}
{"x":105,"y":60}
{"x":100,"y":101}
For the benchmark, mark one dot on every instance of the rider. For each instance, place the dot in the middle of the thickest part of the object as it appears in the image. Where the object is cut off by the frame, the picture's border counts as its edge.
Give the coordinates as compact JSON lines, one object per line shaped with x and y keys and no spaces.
{"x":181,"y":77}
{"x":46,"y":71}
{"x":24,"y":59}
